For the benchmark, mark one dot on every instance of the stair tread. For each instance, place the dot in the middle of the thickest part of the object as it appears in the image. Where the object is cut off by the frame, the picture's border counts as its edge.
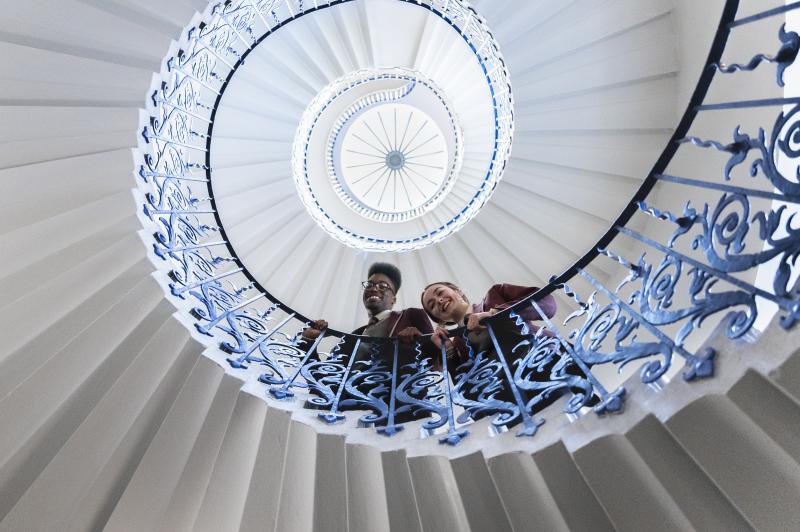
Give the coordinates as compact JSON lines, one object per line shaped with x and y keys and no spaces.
{"x":147,"y":495}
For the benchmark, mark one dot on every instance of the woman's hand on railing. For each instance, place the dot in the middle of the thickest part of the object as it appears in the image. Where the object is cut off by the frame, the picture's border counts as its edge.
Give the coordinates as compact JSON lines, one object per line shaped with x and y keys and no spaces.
{"x":474,"y":320}
{"x":442,"y":335}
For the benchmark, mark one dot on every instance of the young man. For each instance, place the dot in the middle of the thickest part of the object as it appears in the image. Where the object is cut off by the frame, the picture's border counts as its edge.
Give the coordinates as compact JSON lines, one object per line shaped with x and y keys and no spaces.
{"x":379,"y":297}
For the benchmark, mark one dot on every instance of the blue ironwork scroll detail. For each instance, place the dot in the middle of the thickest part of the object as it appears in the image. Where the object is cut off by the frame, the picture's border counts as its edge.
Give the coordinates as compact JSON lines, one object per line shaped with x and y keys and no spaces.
{"x":334,"y":416}
{"x":529,"y":423}
{"x":420,"y":392}
{"x":324,"y":377}
{"x":609,"y":321}
{"x":368,"y":387}
{"x":284,"y":391}
{"x":655,"y":297}
{"x":609,"y":402}
{"x":253,"y":332}
{"x":620,"y":321}
{"x":783,"y":58}
{"x":224,"y":305}
{"x":178,"y":288}
{"x":723,"y":233}
{"x":280,"y":359}
{"x":478,"y":382}
{"x":541,"y":368}
{"x":239,"y":19}
{"x":391,"y":428}
{"x":784,"y":139}
{"x":454,"y":436}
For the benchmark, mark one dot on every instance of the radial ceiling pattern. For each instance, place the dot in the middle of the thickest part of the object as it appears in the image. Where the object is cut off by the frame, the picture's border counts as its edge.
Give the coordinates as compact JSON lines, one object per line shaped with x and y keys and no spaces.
{"x":421,"y":165}
{"x":594,"y":102}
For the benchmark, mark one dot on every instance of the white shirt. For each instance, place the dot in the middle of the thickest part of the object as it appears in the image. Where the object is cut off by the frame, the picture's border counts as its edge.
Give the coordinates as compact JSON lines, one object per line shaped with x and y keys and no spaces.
{"x":382,"y":315}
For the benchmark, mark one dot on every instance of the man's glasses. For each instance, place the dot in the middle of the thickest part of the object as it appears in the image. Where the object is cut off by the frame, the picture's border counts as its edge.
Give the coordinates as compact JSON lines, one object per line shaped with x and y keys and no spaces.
{"x":380,"y":285}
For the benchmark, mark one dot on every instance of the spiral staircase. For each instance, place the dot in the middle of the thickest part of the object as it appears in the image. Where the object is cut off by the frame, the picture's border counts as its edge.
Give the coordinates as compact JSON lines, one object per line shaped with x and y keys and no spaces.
{"x":117,"y":412}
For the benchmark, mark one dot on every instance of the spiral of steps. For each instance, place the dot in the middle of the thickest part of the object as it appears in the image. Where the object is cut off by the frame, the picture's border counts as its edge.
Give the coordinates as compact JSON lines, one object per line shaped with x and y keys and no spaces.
{"x":556,"y":204}
{"x":112,"y":417}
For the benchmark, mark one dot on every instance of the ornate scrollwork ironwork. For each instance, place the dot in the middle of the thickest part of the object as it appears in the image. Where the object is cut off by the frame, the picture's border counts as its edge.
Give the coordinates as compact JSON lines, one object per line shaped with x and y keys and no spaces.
{"x":324,"y":376}
{"x":543,"y":371}
{"x":785,"y":57}
{"x":420,"y":392}
{"x":478,"y":383}
{"x":369,"y":387}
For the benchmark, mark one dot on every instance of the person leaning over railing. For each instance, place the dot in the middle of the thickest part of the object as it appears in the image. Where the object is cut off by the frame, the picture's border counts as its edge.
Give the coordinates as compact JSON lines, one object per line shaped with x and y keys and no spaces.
{"x":447,"y":305}
{"x":379,"y":297}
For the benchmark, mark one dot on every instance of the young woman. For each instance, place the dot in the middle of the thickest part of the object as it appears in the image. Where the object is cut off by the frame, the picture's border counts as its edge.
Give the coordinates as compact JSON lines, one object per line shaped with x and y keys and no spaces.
{"x":446,"y":304}
{"x":547,"y":376}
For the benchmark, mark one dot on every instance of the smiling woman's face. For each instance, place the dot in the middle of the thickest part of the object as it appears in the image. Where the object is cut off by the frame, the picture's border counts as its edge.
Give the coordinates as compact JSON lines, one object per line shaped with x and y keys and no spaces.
{"x":444,"y":303}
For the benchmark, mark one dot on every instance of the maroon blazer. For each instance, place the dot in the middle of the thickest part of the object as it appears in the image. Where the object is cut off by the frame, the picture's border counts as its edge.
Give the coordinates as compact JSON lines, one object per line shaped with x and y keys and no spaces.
{"x":396,"y":321}
{"x":410,"y":317}
{"x":502,"y":296}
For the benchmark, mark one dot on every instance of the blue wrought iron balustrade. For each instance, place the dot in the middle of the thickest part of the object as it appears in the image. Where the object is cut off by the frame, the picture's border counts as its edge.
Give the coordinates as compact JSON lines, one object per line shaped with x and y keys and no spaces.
{"x":734,"y":223}
{"x":394,"y":382}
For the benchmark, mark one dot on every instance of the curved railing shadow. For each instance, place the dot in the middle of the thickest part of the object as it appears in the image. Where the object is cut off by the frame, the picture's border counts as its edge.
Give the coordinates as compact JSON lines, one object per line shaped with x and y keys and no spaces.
{"x":511,"y":369}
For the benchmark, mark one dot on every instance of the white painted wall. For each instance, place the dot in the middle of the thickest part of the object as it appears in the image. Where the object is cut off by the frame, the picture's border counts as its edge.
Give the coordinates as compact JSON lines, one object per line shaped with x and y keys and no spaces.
{"x":695,"y":24}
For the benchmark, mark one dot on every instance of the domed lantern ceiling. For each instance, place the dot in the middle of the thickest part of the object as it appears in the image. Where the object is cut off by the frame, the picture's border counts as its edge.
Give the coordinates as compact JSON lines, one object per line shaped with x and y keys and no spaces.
{"x":378,"y":141}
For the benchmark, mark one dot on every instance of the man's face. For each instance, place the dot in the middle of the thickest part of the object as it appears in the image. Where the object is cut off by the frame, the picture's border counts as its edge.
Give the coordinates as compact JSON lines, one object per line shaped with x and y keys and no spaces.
{"x":376,"y":299}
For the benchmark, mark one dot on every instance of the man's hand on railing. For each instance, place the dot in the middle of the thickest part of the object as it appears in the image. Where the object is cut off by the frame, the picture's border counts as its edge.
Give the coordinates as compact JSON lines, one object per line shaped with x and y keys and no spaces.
{"x":315,"y":329}
{"x":409,"y":335}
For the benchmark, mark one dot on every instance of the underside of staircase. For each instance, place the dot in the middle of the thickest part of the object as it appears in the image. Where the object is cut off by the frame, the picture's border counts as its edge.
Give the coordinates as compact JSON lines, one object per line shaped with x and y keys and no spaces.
{"x":143,"y":432}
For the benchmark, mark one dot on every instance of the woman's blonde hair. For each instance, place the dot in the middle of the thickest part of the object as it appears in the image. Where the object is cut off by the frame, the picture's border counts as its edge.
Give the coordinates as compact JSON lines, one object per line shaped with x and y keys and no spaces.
{"x":448,"y":285}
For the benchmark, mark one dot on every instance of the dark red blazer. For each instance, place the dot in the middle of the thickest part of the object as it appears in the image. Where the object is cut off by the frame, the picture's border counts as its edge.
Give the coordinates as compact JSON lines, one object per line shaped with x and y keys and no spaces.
{"x":502,"y":296}
{"x":410,"y":317}
{"x":398,"y":320}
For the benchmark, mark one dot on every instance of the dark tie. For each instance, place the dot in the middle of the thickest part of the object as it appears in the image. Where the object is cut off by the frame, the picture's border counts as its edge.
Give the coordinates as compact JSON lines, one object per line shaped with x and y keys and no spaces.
{"x":372,"y":321}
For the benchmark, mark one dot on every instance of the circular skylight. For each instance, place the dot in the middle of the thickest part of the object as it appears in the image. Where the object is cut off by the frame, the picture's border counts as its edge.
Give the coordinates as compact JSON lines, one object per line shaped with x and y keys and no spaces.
{"x":393,"y":160}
